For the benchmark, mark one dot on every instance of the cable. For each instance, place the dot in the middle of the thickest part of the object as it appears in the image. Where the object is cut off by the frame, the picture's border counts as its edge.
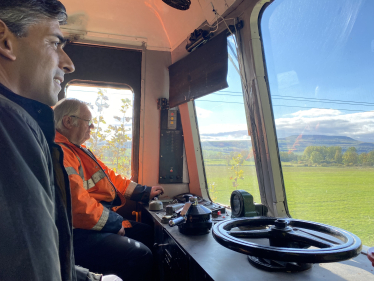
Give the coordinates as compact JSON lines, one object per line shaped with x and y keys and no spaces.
{"x":351,"y":102}
{"x":279,"y":105}
{"x":220,"y":101}
{"x":217,"y":23}
{"x":300,"y":98}
{"x":212,"y":31}
{"x":341,"y":109}
{"x":334,"y":102}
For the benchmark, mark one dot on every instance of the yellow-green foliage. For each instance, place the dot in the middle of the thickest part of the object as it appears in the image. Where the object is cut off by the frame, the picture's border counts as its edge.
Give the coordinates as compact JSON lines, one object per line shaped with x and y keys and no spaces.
{"x":98,"y":135}
{"x":237,"y":161}
{"x":112,"y":140}
{"x":116,"y":143}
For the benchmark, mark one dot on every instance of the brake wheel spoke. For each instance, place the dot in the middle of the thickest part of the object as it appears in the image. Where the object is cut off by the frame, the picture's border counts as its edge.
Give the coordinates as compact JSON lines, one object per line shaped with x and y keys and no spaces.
{"x":263,"y":233}
{"x":308,"y":239}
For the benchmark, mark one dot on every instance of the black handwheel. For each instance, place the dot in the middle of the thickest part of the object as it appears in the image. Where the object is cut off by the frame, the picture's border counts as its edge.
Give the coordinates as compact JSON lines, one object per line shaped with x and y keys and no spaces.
{"x":289,"y":240}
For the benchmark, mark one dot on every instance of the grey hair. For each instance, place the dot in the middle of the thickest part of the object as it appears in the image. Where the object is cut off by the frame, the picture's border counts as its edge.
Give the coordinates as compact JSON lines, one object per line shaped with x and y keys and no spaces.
{"x":19,"y":15}
{"x":64,"y":107}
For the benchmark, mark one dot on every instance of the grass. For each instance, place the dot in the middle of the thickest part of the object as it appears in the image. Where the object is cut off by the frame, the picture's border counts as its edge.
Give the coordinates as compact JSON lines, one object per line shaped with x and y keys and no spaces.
{"x":338,"y":196}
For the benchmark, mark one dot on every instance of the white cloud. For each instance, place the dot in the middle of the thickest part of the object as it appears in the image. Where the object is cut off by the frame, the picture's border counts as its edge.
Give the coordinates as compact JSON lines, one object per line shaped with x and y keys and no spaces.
{"x":222,"y":132}
{"x":224,"y":138}
{"x":203,"y":113}
{"x":221,"y":128}
{"x":316,"y":112}
{"x":359,"y":126}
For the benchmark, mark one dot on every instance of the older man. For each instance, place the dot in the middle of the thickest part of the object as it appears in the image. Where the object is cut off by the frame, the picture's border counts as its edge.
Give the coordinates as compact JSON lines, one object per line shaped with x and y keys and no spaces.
{"x":99,"y":241}
{"x":35,"y":207}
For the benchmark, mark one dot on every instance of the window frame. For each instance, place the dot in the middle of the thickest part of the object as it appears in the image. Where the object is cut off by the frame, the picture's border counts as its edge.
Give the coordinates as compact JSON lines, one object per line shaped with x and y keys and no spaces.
{"x":259,"y":115}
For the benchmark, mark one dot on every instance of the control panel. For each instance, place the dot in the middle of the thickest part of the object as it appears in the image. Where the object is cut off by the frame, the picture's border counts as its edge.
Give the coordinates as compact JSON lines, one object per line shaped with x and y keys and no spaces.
{"x":171,"y":145}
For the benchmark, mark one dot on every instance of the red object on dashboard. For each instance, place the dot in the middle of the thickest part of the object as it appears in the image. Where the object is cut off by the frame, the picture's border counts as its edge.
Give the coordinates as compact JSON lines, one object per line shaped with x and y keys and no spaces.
{"x":371,"y":255}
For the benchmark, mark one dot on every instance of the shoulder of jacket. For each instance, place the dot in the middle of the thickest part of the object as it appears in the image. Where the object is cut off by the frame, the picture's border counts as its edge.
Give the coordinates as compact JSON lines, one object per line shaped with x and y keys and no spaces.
{"x":70,"y":153}
{"x":11,"y":108}
{"x":68,"y":149}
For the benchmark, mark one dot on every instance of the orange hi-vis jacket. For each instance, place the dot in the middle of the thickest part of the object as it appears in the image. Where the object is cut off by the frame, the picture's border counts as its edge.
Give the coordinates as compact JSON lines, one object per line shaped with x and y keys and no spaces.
{"x":96,"y":189}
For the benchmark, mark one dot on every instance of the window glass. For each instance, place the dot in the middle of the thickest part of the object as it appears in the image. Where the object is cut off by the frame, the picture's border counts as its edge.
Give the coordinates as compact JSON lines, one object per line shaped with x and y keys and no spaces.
{"x":320,"y":63}
{"x":226,"y":146}
{"x":112,"y":113}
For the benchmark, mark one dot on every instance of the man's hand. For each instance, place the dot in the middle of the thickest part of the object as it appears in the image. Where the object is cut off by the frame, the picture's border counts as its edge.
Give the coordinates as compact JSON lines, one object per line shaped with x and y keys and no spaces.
{"x":371,"y":255}
{"x":156,"y":190}
{"x":121,"y":232}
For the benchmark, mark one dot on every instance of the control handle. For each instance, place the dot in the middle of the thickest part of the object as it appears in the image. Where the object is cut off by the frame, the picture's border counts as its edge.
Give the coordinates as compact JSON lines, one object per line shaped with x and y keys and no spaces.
{"x":177,"y":221}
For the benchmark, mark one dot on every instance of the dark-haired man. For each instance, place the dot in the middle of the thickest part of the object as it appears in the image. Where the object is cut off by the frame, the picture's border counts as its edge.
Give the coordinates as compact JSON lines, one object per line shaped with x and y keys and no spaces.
{"x":35,"y":207}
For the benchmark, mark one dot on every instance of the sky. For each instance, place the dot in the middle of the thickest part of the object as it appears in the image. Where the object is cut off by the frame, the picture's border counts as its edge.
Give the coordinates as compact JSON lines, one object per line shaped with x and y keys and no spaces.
{"x":221,"y":115}
{"x":320,"y":63}
{"x":89,"y":95}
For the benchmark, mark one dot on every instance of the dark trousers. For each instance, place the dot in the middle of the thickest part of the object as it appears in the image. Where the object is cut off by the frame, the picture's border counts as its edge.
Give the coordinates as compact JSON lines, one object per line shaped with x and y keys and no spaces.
{"x":128,"y":257}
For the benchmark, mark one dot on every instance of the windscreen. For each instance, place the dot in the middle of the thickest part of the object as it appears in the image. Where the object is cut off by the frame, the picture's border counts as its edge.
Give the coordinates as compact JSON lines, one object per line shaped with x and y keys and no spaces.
{"x":320,"y":63}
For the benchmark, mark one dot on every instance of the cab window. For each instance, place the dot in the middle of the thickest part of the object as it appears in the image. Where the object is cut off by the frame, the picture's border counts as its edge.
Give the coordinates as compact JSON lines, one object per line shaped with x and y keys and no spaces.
{"x":226,"y":145}
{"x":112,"y":114}
{"x":320,"y":66}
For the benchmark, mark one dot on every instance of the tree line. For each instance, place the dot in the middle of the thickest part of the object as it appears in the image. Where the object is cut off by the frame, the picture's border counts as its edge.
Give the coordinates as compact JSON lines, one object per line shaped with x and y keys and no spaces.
{"x":332,"y":155}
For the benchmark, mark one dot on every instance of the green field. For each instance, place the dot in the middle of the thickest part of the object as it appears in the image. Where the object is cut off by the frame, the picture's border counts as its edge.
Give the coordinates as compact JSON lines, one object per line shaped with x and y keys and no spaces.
{"x":338,"y":196}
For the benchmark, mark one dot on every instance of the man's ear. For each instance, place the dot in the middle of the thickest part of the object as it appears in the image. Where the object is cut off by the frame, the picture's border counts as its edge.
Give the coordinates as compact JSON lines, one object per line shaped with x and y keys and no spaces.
{"x":7,"y":39}
{"x":67,"y":121}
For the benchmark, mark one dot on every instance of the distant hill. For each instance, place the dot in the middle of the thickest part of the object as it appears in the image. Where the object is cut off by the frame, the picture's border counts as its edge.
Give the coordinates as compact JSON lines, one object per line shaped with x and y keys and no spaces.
{"x":297,"y":144}
{"x":227,"y":146}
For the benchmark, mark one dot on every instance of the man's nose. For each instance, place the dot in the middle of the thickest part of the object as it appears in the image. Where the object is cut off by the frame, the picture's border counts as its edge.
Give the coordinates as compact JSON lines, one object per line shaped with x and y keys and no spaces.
{"x":66,"y":63}
{"x":92,"y":126}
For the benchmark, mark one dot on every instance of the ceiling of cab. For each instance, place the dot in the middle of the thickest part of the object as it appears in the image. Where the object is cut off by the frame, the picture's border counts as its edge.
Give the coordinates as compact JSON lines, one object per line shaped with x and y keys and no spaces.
{"x":131,"y":22}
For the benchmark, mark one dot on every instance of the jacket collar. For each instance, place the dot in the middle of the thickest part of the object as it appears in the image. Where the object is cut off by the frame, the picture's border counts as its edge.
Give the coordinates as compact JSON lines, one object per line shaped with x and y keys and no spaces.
{"x":62,"y":139}
{"x":42,"y":113}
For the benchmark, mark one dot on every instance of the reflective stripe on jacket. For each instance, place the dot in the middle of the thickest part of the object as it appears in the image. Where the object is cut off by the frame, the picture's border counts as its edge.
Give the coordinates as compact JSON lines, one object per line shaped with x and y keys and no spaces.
{"x":93,"y":194}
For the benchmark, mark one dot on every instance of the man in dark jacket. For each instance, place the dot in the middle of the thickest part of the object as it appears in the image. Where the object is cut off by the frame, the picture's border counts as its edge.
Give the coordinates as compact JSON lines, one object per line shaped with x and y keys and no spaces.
{"x":35,"y":204}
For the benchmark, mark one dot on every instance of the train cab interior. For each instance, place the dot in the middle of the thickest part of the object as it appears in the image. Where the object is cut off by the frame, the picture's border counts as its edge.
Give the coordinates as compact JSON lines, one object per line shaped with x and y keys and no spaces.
{"x":256,"y":118}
